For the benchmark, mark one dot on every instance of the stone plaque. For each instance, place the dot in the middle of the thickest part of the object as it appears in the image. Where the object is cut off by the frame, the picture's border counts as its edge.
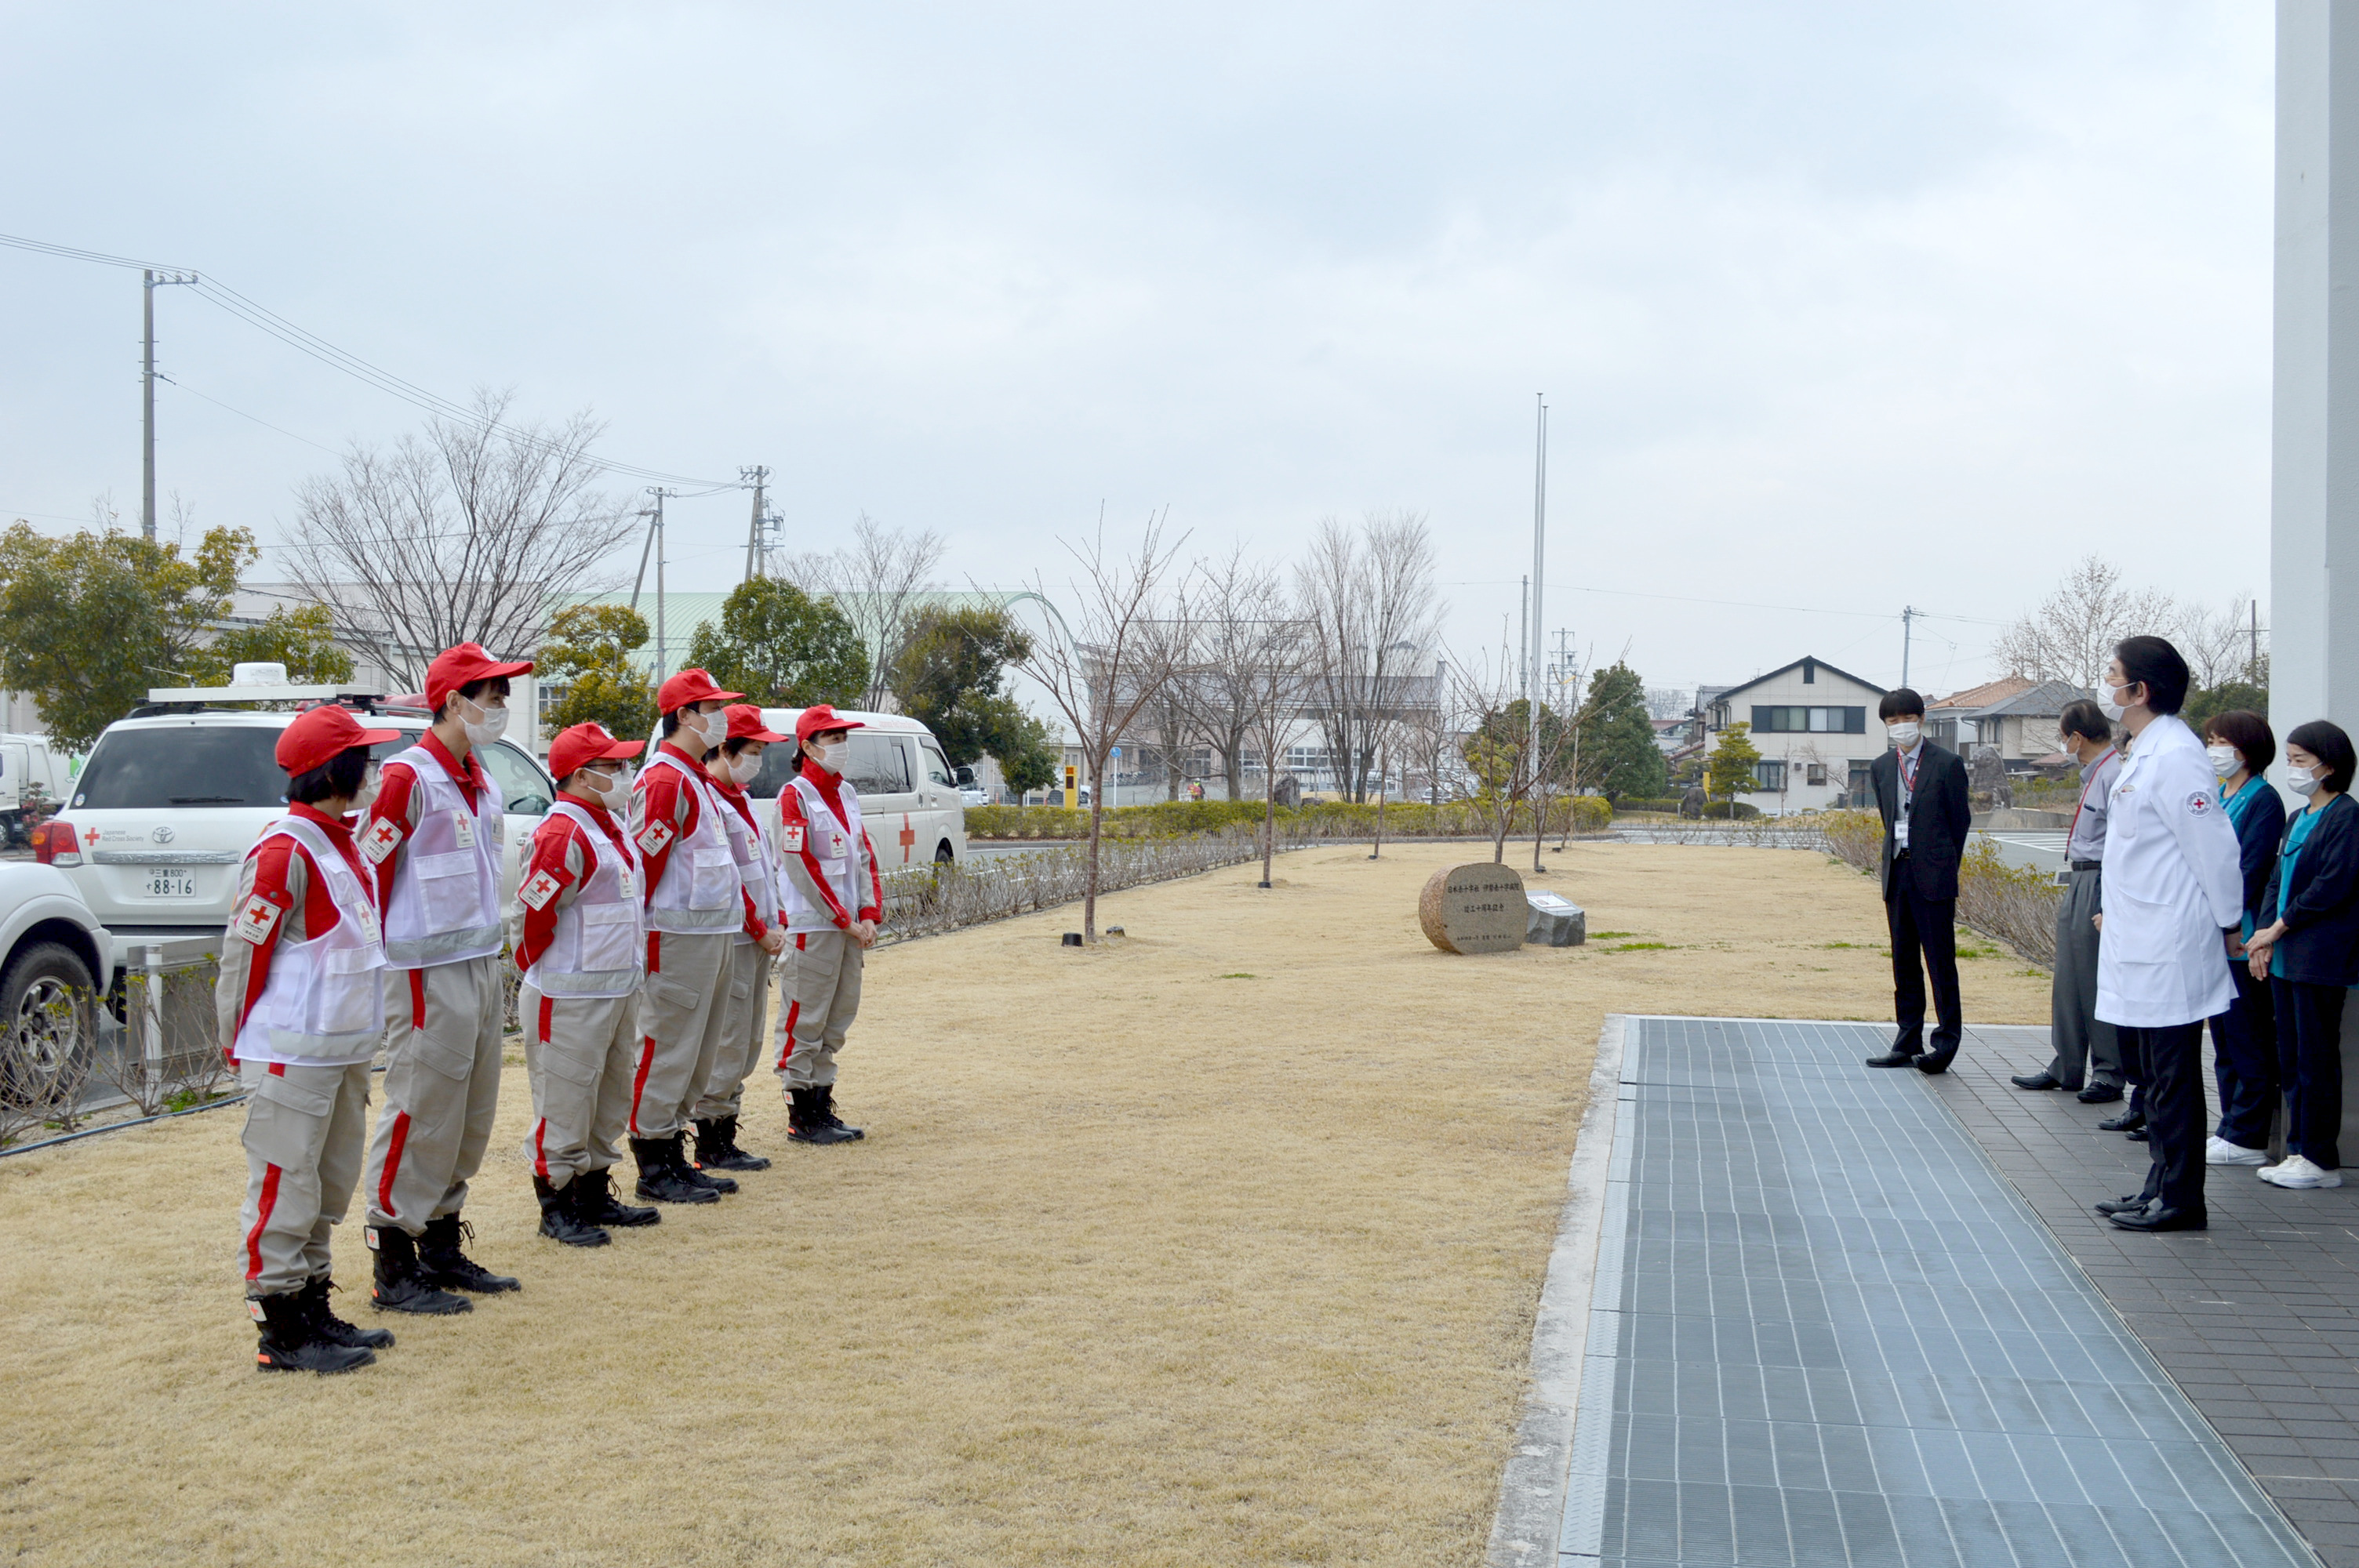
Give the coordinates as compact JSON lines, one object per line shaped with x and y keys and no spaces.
{"x":1474,"y":909}
{"x":1555,"y":921}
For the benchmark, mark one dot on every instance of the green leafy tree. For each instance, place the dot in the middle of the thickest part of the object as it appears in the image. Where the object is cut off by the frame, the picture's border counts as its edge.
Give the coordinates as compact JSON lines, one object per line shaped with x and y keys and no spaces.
{"x":1030,"y":762}
{"x":303,"y":638}
{"x":90,"y":621}
{"x":588,"y":650}
{"x":1730,"y":773}
{"x":952,"y":677}
{"x":1619,"y":758}
{"x":1495,"y":750}
{"x":782,"y":647}
{"x":2228,"y":696}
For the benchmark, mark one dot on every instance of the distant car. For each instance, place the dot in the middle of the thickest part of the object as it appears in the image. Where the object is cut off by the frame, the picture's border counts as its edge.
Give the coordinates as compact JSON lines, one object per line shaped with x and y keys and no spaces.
{"x":33,"y":780}
{"x":906,"y":796}
{"x":58,"y":961}
{"x":970,"y":791}
{"x":164,"y":811}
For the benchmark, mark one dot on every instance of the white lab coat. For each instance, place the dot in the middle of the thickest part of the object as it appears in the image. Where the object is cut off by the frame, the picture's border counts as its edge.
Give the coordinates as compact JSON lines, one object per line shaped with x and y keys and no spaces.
{"x":2172,"y":886}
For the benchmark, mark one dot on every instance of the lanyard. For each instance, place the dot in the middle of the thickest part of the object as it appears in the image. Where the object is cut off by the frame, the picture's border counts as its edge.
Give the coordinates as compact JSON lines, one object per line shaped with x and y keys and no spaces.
{"x":1909,"y":771}
{"x":2094,"y":769}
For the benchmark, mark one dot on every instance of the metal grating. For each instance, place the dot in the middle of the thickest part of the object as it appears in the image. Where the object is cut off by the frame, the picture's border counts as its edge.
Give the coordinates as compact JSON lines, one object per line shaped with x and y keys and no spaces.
{"x":1825,"y":1331}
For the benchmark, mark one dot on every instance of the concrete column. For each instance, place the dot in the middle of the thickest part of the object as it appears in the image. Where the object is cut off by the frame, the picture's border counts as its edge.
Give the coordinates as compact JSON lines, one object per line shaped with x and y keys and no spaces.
{"x":2314,"y":458}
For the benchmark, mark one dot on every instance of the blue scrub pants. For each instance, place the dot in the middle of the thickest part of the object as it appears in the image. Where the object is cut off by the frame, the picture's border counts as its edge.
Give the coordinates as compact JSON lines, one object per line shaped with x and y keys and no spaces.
{"x":2309,"y":1062}
{"x":2244,"y":1062}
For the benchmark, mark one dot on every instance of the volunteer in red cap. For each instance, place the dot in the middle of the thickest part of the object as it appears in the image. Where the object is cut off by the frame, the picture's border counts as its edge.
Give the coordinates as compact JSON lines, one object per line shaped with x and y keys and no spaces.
{"x":835,"y":900}
{"x":696,"y":902}
{"x":742,"y":1034}
{"x":301,"y":1007}
{"x":583,"y":954}
{"x":433,"y":839}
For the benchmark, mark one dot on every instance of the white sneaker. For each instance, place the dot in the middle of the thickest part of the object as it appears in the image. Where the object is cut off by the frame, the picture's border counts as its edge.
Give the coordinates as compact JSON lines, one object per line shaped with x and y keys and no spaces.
{"x":2220,"y":1151}
{"x":2298,"y":1172}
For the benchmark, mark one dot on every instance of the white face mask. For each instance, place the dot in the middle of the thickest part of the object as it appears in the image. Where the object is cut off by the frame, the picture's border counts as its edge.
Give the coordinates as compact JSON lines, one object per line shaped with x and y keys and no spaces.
{"x":487,"y":725}
{"x":745,"y":768}
{"x":1903,"y":735}
{"x":2226,"y":761}
{"x":2302,"y":782}
{"x":833,"y":755}
{"x":367,"y":796}
{"x":2110,"y":707}
{"x":699,"y":732}
{"x":608,"y":790}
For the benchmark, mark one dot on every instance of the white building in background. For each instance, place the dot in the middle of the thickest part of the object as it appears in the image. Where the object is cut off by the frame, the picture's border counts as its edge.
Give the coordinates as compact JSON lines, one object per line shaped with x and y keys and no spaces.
{"x":1815,"y":728}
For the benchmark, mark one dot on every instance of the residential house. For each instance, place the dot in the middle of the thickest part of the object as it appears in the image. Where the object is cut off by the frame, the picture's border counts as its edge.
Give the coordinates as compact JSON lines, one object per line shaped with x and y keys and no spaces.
{"x":2015,"y":714}
{"x":1815,"y":726}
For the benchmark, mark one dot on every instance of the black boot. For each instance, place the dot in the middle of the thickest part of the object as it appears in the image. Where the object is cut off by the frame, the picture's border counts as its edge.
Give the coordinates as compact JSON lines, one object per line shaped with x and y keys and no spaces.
{"x":660,"y":1181}
{"x":289,"y":1343}
{"x":559,"y":1217}
{"x":827,"y":1113}
{"x":327,"y":1326}
{"x":595,"y":1203}
{"x":401,"y":1286}
{"x":804,"y":1123}
{"x":692,"y":1172}
{"x":441,"y":1262}
{"x":716,"y":1147}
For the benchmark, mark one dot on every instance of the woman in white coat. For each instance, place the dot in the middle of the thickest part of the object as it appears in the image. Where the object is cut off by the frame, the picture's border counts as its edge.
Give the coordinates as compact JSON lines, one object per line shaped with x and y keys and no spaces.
{"x":2173,"y":911}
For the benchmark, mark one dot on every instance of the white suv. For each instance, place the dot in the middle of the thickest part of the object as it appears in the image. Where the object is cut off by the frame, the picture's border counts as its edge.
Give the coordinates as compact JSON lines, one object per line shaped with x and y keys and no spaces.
{"x":164,"y":811}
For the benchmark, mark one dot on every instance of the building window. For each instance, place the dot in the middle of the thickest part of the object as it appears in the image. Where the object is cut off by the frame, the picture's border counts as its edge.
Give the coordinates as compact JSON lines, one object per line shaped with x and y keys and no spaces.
{"x":1770,"y":773}
{"x":1816,"y":772}
{"x":1810,"y":720}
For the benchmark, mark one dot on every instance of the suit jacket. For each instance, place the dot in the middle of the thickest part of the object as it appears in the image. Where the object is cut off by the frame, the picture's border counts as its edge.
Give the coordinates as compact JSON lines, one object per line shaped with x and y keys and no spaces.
{"x":1939,"y":816}
{"x":2321,"y":944}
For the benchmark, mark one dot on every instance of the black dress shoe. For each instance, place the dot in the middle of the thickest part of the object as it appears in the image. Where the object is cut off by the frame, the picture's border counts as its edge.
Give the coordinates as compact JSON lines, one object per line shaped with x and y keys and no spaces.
{"x":1935,"y":1062}
{"x":2162,"y":1219}
{"x":2139,"y":1135}
{"x":1894,"y":1058}
{"x":2129,"y":1121}
{"x":2100,"y":1094}
{"x":2035,"y":1081}
{"x":2130,"y":1205}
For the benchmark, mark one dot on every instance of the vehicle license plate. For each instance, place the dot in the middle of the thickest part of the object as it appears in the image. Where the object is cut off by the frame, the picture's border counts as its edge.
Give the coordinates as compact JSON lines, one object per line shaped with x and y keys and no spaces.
{"x":171,"y":885}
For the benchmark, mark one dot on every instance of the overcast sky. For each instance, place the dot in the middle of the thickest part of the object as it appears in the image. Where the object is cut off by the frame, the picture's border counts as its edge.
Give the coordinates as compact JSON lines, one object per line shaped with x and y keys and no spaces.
{"x":1838,"y":307}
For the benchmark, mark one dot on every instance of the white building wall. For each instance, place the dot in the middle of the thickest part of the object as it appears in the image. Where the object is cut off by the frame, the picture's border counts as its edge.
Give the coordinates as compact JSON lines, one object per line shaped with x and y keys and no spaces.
{"x":1833,"y":751}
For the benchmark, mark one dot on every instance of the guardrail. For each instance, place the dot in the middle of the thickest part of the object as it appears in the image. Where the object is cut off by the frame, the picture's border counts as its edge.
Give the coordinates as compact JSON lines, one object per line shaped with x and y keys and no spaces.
{"x":66,"y":1059}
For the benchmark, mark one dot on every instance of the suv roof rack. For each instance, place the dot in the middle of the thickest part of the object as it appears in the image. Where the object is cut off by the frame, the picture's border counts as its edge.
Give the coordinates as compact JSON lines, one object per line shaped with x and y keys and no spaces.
{"x":166,"y":699}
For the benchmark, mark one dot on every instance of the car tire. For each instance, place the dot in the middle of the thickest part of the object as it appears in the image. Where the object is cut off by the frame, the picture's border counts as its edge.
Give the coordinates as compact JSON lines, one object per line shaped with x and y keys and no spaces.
{"x":49,"y":1022}
{"x":942,"y":856}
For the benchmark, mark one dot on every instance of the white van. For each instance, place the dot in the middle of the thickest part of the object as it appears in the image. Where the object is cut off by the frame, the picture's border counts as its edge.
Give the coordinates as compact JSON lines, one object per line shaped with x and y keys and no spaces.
{"x":908,"y":796}
{"x":33,"y":778}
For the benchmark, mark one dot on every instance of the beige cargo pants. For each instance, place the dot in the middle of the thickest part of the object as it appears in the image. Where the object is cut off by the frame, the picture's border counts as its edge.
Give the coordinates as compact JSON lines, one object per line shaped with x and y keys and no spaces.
{"x":306,"y":1129}
{"x":441,"y":1090}
{"x":682,"y":1009}
{"x":819,"y":987}
{"x":580,"y":1053}
{"x":742,"y":1034}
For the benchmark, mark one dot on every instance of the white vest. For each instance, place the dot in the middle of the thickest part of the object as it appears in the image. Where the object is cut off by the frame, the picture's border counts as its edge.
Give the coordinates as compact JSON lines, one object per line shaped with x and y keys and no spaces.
{"x":697,"y":894}
{"x":324,"y":1001}
{"x":445,"y":903}
{"x":597,"y":949}
{"x":836,"y":846}
{"x":751,"y":850}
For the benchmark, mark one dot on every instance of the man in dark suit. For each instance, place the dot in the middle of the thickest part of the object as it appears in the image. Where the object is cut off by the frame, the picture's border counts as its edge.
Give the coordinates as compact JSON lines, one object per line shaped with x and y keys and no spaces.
{"x":1921,"y":791}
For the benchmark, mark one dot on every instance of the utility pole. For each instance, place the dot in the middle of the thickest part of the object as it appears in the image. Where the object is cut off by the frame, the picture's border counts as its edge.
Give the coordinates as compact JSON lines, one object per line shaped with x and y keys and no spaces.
{"x":1540,"y":555}
{"x":2252,"y":659}
{"x":654,"y":547}
{"x":1907,"y":615}
{"x":756,"y":477}
{"x":1523,"y":634}
{"x":150,"y":280}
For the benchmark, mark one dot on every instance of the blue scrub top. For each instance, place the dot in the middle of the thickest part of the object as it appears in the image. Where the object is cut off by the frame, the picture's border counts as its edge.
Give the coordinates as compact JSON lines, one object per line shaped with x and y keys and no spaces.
{"x":2295,"y":837}
{"x":2238,"y":805}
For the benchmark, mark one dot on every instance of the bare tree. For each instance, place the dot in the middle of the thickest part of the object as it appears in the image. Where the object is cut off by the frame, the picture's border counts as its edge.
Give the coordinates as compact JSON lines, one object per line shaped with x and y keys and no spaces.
{"x":1263,"y":659}
{"x":881,"y":581}
{"x":462,"y":534}
{"x":1236,"y":604}
{"x":1496,"y":745}
{"x":1119,"y":666}
{"x":2072,"y":635}
{"x":2220,"y":645}
{"x":1372,"y":611}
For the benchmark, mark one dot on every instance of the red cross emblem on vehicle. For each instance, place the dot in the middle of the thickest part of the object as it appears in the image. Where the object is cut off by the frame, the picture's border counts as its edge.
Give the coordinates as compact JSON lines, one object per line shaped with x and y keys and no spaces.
{"x":908,"y":838}
{"x":90,"y":835}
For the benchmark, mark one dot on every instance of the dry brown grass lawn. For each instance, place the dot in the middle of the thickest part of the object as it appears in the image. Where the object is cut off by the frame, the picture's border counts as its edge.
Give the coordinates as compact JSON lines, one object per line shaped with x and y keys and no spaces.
{"x":1216,"y":1245}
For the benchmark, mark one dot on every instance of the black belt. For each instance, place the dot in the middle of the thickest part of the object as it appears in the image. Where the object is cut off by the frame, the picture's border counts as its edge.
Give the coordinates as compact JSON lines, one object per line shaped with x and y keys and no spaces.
{"x":2087,"y":865}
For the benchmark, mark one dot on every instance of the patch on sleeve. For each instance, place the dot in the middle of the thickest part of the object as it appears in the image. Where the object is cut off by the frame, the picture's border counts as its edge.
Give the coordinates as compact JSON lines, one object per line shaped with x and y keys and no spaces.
{"x":383,"y":834}
{"x":654,"y":837}
{"x":257,"y":921}
{"x":537,"y":893}
{"x":2200,"y":804}
{"x":790,"y":837}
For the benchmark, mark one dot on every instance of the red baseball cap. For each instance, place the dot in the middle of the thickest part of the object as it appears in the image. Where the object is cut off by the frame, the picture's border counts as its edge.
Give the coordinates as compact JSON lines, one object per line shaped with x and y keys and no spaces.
{"x":819,"y":718}
{"x":746,"y":724}
{"x":586,"y":743}
{"x":455,"y":668}
{"x":319,"y":735}
{"x":690,"y":686}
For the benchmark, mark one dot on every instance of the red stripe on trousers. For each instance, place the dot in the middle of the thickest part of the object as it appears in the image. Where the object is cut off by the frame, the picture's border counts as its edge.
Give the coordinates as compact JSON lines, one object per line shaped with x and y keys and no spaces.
{"x":639,"y":1082}
{"x":793,"y":1011}
{"x":655,"y":952}
{"x":254,"y":1237}
{"x":547,"y":1007}
{"x":393,"y":1162}
{"x":416,"y":999}
{"x":541,"y":1127}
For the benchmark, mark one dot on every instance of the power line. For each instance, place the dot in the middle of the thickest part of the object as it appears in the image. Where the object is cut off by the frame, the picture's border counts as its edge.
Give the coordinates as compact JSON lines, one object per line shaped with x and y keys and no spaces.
{"x":1731,"y":603}
{"x":264,"y":319}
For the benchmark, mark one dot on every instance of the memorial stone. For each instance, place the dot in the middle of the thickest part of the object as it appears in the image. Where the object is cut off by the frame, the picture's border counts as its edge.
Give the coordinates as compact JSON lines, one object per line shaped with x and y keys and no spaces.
{"x":1476,"y":908}
{"x":1556,"y":922}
